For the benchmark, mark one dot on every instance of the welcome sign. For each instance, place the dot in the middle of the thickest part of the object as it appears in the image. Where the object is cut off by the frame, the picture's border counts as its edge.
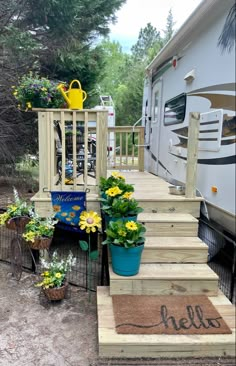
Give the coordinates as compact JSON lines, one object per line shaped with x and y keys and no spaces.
{"x":68,"y":206}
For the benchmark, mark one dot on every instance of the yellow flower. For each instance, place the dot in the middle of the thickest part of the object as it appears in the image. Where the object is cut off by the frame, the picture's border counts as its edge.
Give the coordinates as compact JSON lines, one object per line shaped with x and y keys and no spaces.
{"x":44,"y":89}
{"x":89,"y":221}
{"x":13,"y":208}
{"x":113,"y":191}
{"x":58,"y":275}
{"x":117,"y":175}
{"x":122,"y":233}
{"x":46,"y":273}
{"x":4,"y":218}
{"x":15,"y":92}
{"x":30,"y":236}
{"x":131,"y":225}
{"x":127,"y":195}
{"x":76,"y":208}
{"x":28,"y":105}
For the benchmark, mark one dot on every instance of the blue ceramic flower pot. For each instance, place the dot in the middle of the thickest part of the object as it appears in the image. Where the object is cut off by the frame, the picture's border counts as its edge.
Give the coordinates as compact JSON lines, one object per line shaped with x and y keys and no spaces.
{"x":126,"y":261}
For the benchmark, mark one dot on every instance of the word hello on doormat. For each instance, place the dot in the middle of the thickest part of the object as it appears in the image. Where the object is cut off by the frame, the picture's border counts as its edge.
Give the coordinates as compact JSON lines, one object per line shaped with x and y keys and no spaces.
{"x":167,"y":315}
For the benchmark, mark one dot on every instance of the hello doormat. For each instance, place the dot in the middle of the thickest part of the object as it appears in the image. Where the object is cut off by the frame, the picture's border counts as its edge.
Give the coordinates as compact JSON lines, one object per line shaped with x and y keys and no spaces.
{"x":167,"y":315}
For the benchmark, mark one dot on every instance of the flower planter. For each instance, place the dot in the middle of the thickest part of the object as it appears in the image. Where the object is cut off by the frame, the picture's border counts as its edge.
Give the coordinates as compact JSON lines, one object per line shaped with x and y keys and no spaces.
{"x":123,"y":218}
{"x":56,"y":293}
{"x":40,"y":243}
{"x":126,"y":261}
{"x":17,"y":223}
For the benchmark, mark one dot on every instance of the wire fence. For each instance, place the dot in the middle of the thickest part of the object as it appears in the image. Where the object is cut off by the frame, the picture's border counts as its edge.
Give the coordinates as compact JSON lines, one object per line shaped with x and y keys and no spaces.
{"x":221,"y":258}
{"x":63,"y":242}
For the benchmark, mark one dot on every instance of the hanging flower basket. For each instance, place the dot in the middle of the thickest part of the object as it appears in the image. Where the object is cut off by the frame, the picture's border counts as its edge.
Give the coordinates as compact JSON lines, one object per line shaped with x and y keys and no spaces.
{"x":40,"y":243}
{"x":56,"y":293}
{"x":17,"y":223}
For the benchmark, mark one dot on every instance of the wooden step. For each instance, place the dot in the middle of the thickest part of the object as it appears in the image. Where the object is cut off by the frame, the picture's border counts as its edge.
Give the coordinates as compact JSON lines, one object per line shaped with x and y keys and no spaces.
{"x":169,"y":224}
{"x":112,"y":344}
{"x":166,"y":279}
{"x":156,"y":205}
{"x":174,"y":250}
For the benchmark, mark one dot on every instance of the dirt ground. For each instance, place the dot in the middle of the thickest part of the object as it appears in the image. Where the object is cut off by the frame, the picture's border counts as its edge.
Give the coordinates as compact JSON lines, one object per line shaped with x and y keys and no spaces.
{"x":35,"y":332}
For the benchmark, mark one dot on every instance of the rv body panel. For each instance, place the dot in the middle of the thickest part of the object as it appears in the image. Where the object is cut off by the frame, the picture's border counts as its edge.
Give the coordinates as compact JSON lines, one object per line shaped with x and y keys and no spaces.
{"x":203,"y":80}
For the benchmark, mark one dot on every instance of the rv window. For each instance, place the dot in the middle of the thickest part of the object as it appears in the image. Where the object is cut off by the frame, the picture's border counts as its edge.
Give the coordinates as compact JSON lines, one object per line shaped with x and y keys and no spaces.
{"x":175,"y":110}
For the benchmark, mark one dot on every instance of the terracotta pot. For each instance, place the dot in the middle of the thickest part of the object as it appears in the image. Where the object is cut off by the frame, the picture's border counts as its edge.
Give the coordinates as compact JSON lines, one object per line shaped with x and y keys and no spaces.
{"x":56,"y":293}
{"x":17,"y":223}
{"x":40,"y":243}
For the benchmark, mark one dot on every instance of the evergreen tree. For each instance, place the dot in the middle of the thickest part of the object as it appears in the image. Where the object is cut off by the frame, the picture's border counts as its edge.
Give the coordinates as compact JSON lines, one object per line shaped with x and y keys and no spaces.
{"x":169,"y":29}
{"x":148,"y":38}
{"x":55,"y":38}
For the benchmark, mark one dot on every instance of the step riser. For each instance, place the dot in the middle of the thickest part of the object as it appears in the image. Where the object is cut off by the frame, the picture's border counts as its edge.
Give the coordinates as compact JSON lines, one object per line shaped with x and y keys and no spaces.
{"x":171,"y":229}
{"x":174,"y":256}
{"x":166,"y":351}
{"x":192,"y":208}
{"x":163,"y":287}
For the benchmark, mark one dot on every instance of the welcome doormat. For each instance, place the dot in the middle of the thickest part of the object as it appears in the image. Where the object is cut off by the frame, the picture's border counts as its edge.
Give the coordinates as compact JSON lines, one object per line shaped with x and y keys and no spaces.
{"x":141,"y":314}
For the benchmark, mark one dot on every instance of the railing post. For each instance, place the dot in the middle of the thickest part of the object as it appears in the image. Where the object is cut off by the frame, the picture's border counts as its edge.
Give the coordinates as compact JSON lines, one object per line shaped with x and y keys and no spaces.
{"x":101,"y":146}
{"x":192,"y":154}
{"x":44,"y":152}
{"x":141,"y":150}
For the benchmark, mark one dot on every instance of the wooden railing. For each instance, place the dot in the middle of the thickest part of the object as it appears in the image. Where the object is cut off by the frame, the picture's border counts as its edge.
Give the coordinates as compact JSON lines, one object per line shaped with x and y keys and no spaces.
{"x":76,"y":148}
{"x":64,"y":146}
{"x":122,"y":153}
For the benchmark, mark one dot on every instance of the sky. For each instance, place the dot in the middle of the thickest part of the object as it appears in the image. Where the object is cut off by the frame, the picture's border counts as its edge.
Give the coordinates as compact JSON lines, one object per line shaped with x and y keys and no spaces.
{"x":135,"y":14}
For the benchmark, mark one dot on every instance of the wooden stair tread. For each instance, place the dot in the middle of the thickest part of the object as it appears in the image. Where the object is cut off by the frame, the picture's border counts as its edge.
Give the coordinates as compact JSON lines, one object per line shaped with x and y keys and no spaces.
{"x":166,"y":217}
{"x":112,"y":344}
{"x":174,"y":242}
{"x":174,"y":271}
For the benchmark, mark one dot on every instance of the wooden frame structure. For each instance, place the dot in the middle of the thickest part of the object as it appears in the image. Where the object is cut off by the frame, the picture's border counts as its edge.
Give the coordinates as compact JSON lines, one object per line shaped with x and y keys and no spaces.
{"x":83,"y":126}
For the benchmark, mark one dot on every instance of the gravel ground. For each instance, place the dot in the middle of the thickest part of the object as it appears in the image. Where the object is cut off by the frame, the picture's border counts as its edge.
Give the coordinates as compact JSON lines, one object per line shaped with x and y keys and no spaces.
{"x":34,"y":332}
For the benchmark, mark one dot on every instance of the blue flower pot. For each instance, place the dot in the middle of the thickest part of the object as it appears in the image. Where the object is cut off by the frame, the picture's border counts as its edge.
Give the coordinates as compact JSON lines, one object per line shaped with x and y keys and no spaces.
{"x":126,"y":261}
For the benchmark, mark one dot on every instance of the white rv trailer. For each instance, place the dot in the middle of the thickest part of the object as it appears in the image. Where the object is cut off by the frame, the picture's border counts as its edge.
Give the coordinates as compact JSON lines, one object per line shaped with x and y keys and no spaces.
{"x":193,"y":74}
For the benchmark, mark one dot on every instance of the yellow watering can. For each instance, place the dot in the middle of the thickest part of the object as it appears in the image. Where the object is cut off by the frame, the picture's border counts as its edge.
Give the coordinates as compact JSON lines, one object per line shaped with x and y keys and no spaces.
{"x":75,"y":97}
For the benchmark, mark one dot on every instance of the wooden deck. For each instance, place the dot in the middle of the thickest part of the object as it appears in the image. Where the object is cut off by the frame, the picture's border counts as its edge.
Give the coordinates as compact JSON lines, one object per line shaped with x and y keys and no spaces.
{"x":174,"y":262}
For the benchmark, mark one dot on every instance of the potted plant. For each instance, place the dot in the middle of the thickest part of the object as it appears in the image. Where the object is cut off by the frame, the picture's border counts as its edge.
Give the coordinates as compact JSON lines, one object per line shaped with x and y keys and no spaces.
{"x":54,"y":282}
{"x":119,"y":205}
{"x":39,"y":232}
{"x":114,"y":180}
{"x":17,"y":214}
{"x":126,"y":243}
{"x":34,"y":91}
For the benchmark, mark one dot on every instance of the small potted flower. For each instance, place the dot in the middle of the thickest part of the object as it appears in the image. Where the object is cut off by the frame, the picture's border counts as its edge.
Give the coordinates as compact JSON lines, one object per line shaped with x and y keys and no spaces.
{"x":54,"y":282}
{"x":126,"y":242}
{"x":17,"y":214}
{"x":34,"y":91}
{"x":114,"y":180}
{"x":119,"y":205}
{"x":39,"y":232}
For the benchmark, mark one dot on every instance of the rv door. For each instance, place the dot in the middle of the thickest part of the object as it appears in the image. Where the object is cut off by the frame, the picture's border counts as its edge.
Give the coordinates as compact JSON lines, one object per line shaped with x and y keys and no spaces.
{"x":155,"y":129}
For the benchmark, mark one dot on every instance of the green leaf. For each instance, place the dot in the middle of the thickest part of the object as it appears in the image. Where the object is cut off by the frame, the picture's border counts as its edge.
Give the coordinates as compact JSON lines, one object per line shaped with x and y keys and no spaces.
{"x":83,"y":245}
{"x":94,"y":255}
